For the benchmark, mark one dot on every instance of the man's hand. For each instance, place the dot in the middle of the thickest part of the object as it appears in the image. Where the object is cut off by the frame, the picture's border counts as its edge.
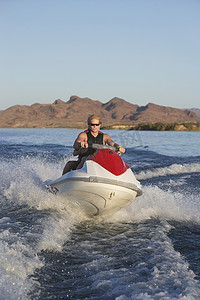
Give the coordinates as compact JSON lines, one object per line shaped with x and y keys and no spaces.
{"x":83,"y":145}
{"x":121,"y":149}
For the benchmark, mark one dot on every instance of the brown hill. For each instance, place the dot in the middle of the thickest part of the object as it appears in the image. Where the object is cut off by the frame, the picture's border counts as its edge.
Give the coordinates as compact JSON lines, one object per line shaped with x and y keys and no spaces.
{"x":152,"y":113}
{"x":196,"y":111}
{"x":74,"y":113}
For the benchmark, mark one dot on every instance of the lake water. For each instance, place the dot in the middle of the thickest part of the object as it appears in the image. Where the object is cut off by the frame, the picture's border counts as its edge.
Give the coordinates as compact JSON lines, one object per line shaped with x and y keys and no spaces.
{"x":51,"y":250}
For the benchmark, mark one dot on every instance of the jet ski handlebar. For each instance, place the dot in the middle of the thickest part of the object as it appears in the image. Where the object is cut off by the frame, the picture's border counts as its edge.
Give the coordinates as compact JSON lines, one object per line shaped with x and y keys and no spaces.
{"x":99,"y":146}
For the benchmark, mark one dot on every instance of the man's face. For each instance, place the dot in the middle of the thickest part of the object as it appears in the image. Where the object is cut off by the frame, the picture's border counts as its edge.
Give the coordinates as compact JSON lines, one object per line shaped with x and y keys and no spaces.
{"x":95,"y":125}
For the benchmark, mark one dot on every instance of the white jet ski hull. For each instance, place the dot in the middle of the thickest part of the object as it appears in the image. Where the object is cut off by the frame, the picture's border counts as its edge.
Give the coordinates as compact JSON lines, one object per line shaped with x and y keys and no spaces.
{"x":96,"y":189}
{"x":96,"y":198}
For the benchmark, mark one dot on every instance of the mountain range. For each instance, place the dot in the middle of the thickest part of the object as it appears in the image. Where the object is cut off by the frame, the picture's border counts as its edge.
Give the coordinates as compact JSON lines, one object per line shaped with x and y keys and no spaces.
{"x":75,"y":111}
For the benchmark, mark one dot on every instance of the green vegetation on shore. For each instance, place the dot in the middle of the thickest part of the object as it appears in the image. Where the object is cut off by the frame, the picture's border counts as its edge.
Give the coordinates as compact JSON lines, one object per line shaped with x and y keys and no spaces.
{"x":159,"y":126}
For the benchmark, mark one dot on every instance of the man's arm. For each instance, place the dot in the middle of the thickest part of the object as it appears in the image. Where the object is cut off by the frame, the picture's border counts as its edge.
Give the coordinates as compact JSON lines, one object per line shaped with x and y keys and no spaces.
{"x":80,"y":144}
{"x":81,"y":141}
{"x":107,"y":140}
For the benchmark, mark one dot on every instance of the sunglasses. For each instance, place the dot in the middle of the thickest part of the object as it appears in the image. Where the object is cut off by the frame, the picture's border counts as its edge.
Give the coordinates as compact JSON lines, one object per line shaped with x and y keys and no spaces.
{"x":94,"y":124}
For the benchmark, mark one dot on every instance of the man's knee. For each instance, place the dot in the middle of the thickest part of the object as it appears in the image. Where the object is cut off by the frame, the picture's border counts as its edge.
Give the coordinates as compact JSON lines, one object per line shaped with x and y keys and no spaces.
{"x":70,"y":165}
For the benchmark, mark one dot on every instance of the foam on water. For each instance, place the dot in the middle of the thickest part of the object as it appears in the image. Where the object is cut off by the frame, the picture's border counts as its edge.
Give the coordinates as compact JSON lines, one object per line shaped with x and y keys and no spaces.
{"x":171,"y":170}
{"x":23,"y":186}
{"x":17,"y":262}
{"x":26,"y":188}
{"x":157,"y":203}
{"x":127,"y":261}
{"x":163,"y":274}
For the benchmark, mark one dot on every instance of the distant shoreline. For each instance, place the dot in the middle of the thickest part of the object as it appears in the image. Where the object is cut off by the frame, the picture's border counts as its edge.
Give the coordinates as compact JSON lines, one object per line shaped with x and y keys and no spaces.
{"x":158,"y":126}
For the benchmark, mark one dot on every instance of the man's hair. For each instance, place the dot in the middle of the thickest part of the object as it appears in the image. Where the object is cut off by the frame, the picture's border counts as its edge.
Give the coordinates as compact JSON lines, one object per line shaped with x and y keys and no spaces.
{"x":91,"y":117}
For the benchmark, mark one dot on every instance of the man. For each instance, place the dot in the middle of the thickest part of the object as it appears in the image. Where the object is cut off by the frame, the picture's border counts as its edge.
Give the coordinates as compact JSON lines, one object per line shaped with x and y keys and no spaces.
{"x":86,"y":138}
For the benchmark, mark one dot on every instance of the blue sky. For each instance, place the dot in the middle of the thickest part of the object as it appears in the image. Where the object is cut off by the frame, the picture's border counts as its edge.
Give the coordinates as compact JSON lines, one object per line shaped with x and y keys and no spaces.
{"x":139,"y":50}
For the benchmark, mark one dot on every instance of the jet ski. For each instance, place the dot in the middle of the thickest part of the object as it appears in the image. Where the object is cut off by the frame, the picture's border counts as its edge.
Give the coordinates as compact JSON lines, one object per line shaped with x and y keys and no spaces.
{"x":104,"y":184}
